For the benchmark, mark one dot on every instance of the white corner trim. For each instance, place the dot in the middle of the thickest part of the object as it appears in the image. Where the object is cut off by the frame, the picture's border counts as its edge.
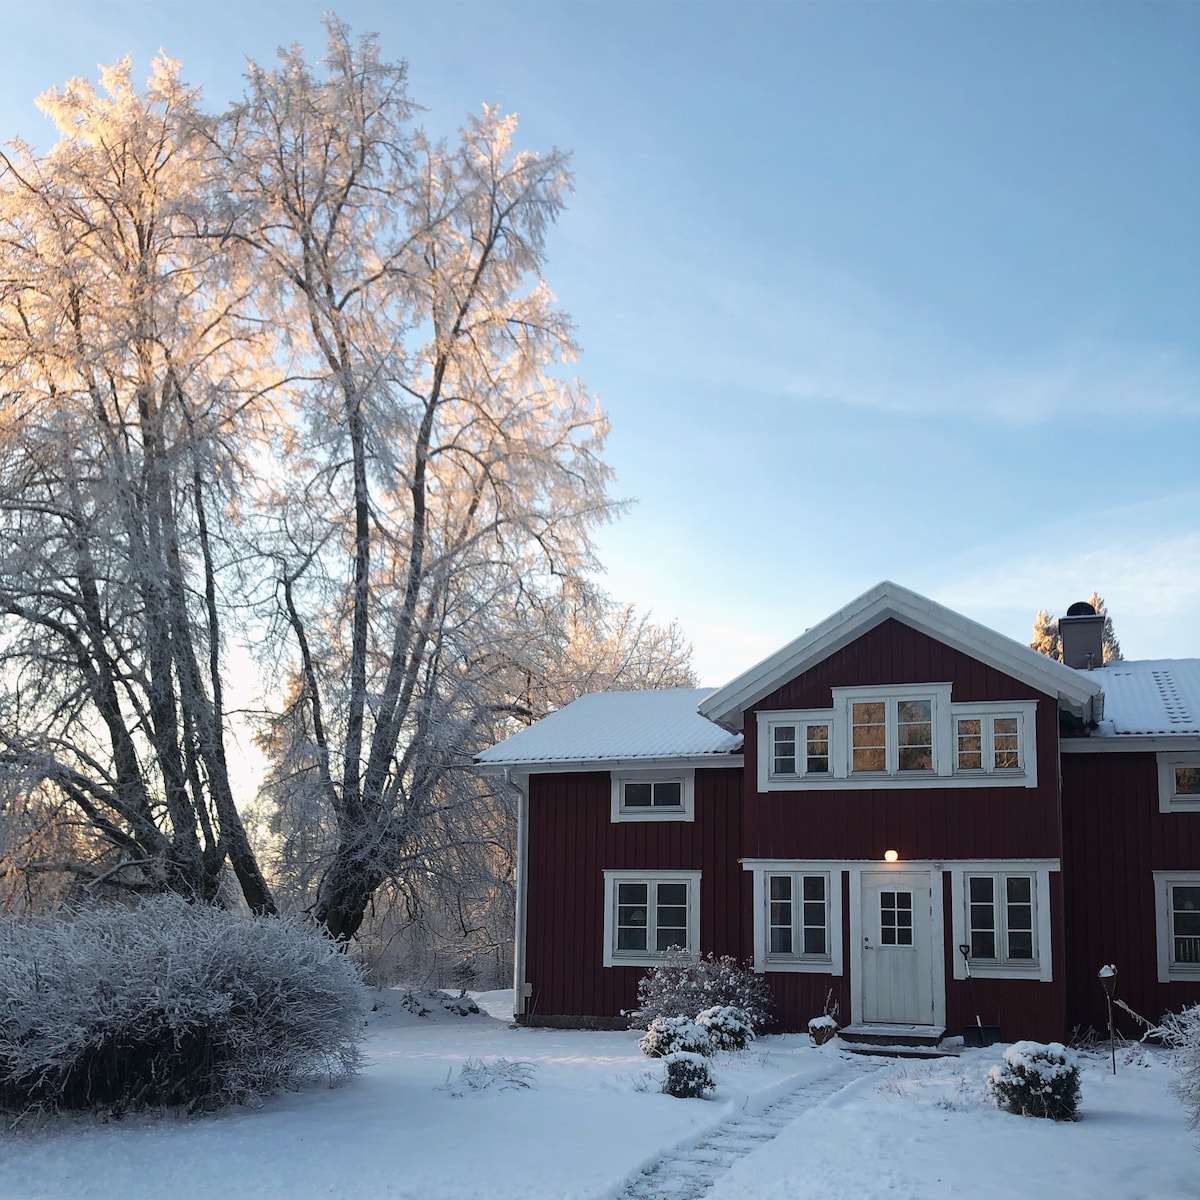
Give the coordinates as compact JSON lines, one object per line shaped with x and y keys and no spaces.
{"x":686,"y":777}
{"x":651,"y":958}
{"x":1168,"y":801}
{"x":1042,"y":968}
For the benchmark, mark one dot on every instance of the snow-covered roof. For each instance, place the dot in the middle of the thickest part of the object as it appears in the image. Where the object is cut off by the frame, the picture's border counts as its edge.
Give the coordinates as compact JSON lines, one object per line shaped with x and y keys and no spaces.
{"x":889,"y":600}
{"x":612,"y":726}
{"x":1150,"y":697}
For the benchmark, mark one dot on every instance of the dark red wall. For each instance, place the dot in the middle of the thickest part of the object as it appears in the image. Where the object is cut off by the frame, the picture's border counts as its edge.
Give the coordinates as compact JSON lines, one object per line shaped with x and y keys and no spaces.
{"x":988,"y":822}
{"x":573,"y":841}
{"x":1114,"y":838}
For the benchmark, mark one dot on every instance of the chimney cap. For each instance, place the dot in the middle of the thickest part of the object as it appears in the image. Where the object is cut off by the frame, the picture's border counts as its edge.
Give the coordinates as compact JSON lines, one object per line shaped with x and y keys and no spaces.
{"x":1081,"y":608}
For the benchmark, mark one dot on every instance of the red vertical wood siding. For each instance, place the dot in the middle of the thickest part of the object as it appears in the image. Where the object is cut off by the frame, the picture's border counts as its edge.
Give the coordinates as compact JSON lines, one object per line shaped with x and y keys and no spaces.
{"x":931,"y":823}
{"x":1114,"y":839}
{"x":573,"y":841}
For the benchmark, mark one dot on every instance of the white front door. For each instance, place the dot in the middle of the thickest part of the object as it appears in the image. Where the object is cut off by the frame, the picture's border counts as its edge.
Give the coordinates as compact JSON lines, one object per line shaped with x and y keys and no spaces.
{"x":897,"y":961}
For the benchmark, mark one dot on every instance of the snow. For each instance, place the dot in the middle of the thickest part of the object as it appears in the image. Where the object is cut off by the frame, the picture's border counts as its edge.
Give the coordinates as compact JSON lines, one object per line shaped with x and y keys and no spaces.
{"x":1150,"y":697}
{"x":611,"y":726}
{"x":787,"y":1118}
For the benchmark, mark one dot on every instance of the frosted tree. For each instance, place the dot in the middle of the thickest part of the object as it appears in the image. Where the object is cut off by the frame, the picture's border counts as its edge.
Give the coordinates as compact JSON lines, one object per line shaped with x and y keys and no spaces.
{"x":122,"y":401}
{"x":443,"y":472}
{"x":1112,"y":648}
{"x":1045,"y":635}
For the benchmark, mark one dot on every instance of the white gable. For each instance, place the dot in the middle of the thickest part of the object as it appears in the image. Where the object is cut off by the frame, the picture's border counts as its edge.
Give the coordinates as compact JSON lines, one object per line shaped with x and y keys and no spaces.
{"x":889,"y":600}
{"x":615,"y":726}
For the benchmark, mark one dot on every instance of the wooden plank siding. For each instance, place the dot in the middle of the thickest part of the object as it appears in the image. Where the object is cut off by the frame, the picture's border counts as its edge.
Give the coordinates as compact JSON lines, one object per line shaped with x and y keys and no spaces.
{"x":572,"y":842}
{"x":1114,"y":838}
{"x":934,"y":823}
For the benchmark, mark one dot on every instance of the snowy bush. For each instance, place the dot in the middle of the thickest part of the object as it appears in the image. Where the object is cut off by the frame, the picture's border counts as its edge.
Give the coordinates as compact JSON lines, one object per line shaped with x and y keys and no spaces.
{"x":170,"y":1004}
{"x":422,"y":1001}
{"x":671,"y":1035}
{"x":687,"y":985}
{"x":499,"y":1074}
{"x":1037,"y":1080}
{"x":688,"y":1075}
{"x":728,"y":1027}
{"x":1181,"y":1031}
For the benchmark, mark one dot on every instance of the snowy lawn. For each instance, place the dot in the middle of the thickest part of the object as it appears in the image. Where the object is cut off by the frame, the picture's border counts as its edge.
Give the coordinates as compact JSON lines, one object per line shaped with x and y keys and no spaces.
{"x":592,"y":1119}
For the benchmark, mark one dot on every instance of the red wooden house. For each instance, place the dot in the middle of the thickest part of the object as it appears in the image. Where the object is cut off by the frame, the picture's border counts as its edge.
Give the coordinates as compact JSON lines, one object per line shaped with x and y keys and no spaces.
{"x":895,"y":784}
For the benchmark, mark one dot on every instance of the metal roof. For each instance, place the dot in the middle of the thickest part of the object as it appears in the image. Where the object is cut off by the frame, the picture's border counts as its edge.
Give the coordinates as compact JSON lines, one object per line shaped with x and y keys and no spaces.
{"x":613,"y":726}
{"x":1149,"y":697}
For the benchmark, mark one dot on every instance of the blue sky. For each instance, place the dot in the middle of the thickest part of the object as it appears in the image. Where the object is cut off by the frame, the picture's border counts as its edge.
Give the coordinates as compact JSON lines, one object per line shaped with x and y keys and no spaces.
{"x":905,"y":291}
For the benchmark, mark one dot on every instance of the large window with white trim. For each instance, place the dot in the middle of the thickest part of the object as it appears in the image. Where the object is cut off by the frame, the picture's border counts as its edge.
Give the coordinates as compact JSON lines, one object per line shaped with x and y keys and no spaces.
{"x":908,"y":735}
{"x":648,"y":914}
{"x":1000,"y":910}
{"x":1177,"y":905}
{"x":797,"y":915}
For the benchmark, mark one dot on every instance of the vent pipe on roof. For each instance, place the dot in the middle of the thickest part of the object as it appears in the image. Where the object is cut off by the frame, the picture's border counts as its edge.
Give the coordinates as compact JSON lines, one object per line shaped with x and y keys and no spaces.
{"x":1082,"y":634}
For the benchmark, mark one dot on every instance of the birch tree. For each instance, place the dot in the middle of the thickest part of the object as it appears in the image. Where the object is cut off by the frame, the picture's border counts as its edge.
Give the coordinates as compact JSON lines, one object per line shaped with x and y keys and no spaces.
{"x":445,"y":472}
{"x":123,"y":406}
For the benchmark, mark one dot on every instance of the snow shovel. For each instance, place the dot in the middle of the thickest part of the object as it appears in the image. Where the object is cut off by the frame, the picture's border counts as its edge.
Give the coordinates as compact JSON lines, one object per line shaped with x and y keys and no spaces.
{"x":979,"y":1034}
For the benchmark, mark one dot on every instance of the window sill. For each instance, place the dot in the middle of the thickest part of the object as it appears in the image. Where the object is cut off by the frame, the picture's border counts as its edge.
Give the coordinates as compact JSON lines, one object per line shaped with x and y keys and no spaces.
{"x":811,"y":965}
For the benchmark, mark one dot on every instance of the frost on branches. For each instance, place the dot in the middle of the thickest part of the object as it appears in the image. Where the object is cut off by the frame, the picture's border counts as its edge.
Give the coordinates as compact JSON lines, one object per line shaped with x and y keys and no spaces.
{"x":685,"y":985}
{"x":290,"y":377}
{"x":1181,"y":1031}
{"x":170,"y":1003}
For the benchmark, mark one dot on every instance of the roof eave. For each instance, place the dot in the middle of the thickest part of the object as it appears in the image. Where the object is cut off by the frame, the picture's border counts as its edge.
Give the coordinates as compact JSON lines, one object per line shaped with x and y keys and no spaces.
{"x":726,"y":705}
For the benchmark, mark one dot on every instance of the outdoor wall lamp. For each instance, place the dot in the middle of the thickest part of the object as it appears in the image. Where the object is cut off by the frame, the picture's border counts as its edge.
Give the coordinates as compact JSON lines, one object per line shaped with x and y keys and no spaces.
{"x":891,"y":856}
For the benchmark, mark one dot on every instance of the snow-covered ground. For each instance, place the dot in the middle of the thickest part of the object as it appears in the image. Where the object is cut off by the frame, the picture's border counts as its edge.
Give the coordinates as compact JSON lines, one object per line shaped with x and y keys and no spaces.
{"x":787,"y":1120}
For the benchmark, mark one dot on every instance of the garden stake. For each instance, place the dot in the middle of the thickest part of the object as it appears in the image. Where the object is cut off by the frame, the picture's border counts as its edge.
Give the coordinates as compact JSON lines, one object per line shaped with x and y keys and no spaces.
{"x":1108,"y":979}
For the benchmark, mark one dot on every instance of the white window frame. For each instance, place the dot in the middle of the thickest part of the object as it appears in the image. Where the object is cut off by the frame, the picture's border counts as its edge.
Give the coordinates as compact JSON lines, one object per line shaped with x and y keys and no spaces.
{"x":1168,"y":799}
{"x":829,"y":963}
{"x":1168,"y":971}
{"x":986,"y":715}
{"x":1041,"y":966}
{"x":944,"y":737}
{"x":685,"y":811}
{"x":647,"y":958}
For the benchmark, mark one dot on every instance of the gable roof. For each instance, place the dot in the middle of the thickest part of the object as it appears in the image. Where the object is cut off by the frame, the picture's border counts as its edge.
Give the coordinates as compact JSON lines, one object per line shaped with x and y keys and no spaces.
{"x":614,"y":726}
{"x":1150,"y":697}
{"x":887,"y":600}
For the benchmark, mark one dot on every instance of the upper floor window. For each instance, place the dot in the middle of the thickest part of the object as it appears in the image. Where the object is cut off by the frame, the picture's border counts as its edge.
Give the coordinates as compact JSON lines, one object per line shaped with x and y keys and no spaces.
{"x":906,"y":735}
{"x":653,"y":795}
{"x":1179,"y":782}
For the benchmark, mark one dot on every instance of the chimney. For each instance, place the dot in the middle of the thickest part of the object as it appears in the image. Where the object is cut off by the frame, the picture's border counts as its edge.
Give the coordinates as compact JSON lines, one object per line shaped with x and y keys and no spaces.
{"x":1082,"y":634}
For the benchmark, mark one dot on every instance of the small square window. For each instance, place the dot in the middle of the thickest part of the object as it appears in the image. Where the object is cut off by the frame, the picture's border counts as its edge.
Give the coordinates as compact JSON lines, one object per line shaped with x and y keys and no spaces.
{"x":1179,"y":782}
{"x":655,"y":796}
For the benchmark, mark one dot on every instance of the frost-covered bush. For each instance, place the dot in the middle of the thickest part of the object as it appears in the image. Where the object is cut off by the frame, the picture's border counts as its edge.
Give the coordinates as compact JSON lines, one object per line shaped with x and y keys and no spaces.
{"x":728,"y":1027}
{"x":671,"y":1035}
{"x":170,"y":1003}
{"x":687,"y":985}
{"x":689,"y":1076}
{"x":423,"y":1001}
{"x":1181,"y":1031}
{"x":1037,"y":1080}
{"x":491,"y":1074}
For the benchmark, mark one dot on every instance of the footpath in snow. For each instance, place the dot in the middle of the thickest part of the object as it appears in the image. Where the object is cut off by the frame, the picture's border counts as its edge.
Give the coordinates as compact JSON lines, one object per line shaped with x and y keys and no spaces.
{"x":787,"y":1119}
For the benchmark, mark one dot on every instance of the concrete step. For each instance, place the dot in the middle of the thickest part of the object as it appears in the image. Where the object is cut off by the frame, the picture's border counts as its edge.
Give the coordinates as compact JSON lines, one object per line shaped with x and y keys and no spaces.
{"x":899,"y":1041}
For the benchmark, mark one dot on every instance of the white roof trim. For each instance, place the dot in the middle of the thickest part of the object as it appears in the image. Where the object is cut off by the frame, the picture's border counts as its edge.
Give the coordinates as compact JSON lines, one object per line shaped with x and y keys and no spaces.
{"x":726,"y":705}
{"x":558,"y":766}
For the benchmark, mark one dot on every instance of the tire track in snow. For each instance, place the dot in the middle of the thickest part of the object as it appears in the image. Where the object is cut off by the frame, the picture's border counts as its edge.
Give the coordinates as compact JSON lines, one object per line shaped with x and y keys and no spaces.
{"x":688,"y":1174}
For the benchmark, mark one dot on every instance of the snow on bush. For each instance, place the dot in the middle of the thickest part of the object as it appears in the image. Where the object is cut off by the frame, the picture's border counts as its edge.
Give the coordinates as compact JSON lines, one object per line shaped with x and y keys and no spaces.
{"x":728,"y":1027}
{"x":1037,"y":1080}
{"x":423,"y":1001}
{"x":686,"y":985}
{"x":821,"y":1029}
{"x":1181,"y":1031}
{"x":500,"y":1074}
{"x":674,"y":1035}
{"x":688,"y":1075}
{"x":170,"y":1003}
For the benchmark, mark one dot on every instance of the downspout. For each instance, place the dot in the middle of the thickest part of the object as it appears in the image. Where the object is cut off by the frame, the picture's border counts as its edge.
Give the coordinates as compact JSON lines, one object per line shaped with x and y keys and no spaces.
{"x":521,"y":989}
